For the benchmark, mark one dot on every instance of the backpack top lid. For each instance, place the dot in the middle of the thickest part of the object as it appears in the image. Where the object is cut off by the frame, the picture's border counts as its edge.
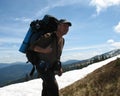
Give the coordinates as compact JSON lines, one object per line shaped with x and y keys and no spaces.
{"x":51,"y":22}
{"x":49,"y":18}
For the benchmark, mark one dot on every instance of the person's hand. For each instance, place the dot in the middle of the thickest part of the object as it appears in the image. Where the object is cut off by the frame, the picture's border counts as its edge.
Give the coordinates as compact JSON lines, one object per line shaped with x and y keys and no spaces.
{"x":43,"y":50}
{"x":60,"y":72}
{"x":48,"y":49}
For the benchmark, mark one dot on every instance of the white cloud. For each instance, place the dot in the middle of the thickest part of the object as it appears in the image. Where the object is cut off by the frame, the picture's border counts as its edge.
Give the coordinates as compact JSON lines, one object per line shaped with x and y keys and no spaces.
{"x":11,"y":55}
{"x":104,"y":4}
{"x":116,"y":44}
{"x":43,"y":10}
{"x":58,"y":3}
{"x":23,"y":19}
{"x":113,"y":43}
{"x":9,"y":43}
{"x":86,"y":47}
{"x":10,"y":40}
{"x":81,"y":55}
{"x":110,"y":41}
{"x":117,"y":28}
{"x":85,"y":52}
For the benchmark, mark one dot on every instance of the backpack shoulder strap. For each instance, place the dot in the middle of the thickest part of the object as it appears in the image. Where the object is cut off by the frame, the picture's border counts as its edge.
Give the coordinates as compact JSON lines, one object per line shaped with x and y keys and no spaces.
{"x":32,"y":71}
{"x":63,"y":42}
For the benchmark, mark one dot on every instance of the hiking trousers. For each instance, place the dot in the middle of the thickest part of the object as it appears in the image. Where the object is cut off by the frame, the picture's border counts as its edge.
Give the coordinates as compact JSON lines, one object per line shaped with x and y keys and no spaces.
{"x":50,"y":86}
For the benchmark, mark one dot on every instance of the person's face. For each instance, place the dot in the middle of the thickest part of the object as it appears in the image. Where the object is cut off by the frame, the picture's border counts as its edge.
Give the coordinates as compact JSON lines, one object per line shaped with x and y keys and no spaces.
{"x":63,"y":28}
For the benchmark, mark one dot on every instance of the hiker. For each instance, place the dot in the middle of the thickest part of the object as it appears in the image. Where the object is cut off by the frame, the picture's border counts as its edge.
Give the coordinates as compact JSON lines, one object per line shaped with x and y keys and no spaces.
{"x":49,"y":57}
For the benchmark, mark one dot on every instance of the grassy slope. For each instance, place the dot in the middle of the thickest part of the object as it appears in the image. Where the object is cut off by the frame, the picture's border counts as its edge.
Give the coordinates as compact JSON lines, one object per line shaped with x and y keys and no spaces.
{"x":104,"y":81}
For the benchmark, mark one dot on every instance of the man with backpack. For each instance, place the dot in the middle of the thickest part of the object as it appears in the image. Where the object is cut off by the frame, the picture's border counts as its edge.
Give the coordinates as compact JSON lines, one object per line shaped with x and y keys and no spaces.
{"x":49,"y":49}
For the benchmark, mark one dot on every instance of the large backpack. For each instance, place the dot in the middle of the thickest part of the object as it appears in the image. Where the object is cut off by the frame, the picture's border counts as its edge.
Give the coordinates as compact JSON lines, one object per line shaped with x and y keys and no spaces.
{"x":36,"y":30}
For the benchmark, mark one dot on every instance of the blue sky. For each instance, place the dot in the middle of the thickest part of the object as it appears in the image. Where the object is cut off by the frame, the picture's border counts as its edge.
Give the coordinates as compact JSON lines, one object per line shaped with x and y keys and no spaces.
{"x":95,"y":26}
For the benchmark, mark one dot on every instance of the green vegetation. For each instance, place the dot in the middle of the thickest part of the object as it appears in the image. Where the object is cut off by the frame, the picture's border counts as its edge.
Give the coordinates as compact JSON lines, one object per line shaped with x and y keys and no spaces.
{"x":104,"y":81}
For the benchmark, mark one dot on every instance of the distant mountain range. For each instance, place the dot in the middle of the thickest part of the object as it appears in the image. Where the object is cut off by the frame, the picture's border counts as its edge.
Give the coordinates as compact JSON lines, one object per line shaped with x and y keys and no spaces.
{"x":16,"y":71}
{"x":106,"y":55}
{"x":2,"y":65}
{"x":70,"y":62}
{"x":13,"y":72}
{"x":83,"y":63}
{"x":97,"y":57}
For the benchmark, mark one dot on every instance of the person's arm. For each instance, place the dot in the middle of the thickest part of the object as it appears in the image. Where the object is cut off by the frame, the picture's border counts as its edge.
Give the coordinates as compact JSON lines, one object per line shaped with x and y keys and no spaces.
{"x":42,"y":50}
{"x":41,"y":45}
{"x":59,"y":64}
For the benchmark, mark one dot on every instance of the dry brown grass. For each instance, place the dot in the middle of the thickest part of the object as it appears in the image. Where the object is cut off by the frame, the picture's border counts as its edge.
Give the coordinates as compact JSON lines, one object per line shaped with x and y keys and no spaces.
{"x":104,"y":81}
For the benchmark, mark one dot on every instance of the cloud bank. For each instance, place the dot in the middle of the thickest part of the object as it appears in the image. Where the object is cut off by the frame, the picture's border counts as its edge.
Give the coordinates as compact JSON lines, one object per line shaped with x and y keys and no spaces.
{"x":113,"y":43}
{"x":23,"y":19}
{"x":58,"y":3}
{"x":117,"y":28}
{"x":104,"y":4}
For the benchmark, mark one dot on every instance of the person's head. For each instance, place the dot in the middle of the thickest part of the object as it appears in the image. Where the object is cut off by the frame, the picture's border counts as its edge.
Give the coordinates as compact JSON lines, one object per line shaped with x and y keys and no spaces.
{"x":63,"y":27}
